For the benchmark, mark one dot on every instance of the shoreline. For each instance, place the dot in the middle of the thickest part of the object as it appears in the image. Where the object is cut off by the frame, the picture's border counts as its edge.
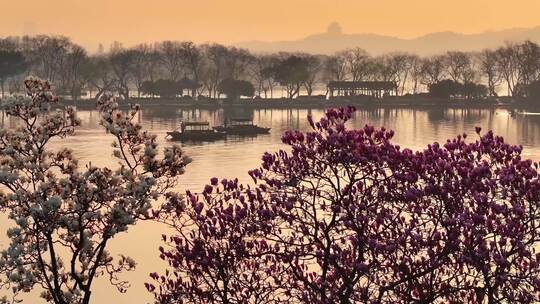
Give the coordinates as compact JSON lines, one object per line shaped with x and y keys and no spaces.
{"x":401,"y":102}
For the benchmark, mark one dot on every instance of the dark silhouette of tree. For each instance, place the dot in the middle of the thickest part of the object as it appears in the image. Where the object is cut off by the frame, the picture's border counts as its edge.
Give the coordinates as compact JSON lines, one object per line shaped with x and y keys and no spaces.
{"x":336,"y":67}
{"x":165,"y":88}
{"x":396,"y":67}
{"x":508,"y":66}
{"x":416,"y":72}
{"x":528,"y":59}
{"x":216,"y":69}
{"x":356,"y":60}
{"x":263,"y":76}
{"x":235,"y":88}
{"x":171,"y":56}
{"x":514,"y":65}
{"x":314,"y":65}
{"x":471,"y":90}
{"x":451,"y":89}
{"x":11,"y":63}
{"x":142,"y":66}
{"x":72,"y":80}
{"x":433,"y":70}
{"x":193,"y":60}
{"x":291,"y":73}
{"x":148,"y":88}
{"x":519,"y":65}
{"x":237,"y":62}
{"x":531,"y":91}
{"x":490,"y":70}
{"x":445,"y":89}
{"x":121,"y":62}
{"x":46,"y":55}
{"x":375,"y":69}
{"x":98,"y":73}
{"x":459,"y":66}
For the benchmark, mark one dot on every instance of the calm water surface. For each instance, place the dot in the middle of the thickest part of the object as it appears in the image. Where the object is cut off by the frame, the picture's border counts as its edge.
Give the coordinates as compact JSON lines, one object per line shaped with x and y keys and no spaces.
{"x":233,"y":157}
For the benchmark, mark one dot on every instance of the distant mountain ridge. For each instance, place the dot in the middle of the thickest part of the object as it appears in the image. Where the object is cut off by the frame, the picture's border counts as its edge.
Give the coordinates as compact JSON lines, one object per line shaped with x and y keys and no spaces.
{"x":332,"y":41}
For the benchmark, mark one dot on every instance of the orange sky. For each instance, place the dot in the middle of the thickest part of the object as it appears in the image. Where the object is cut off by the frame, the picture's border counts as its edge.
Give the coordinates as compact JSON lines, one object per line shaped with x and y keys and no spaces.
{"x":130,"y":21}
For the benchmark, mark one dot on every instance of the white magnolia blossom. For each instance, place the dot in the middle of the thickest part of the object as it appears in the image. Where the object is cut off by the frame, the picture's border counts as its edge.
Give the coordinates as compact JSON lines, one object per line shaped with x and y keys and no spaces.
{"x":58,"y":205}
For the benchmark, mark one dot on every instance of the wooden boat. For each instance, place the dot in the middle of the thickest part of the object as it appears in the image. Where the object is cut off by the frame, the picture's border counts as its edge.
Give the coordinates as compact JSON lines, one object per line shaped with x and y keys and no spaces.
{"x":195,"y":131}
{"x":242,"y":127}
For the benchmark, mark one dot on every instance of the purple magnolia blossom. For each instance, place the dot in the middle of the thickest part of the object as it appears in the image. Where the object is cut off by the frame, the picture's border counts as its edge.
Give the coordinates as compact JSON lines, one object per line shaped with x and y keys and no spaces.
{"x":346,"y":216}
{"x":221,"y":245}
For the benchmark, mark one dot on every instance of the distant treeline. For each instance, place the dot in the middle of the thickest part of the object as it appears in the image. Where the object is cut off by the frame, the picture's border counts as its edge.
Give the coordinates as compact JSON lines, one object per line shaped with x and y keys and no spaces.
{"x":173,"y":68}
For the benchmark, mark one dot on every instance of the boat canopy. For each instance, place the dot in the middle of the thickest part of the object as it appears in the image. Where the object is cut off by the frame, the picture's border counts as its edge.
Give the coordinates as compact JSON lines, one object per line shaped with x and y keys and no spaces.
{"x":241,"y":121}
{"x":195,"y":123}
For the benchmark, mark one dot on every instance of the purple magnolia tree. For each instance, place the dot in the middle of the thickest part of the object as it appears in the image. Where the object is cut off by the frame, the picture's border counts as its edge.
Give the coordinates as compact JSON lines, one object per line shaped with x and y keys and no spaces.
{"x":490,"y":199}
{"x":65,"y":214}
{"x":346,"y":216}
{"x":220,"y":254}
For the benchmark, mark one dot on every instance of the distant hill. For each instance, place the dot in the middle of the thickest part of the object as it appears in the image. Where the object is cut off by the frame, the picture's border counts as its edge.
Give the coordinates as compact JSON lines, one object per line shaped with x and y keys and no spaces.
{"x":334,"y":40}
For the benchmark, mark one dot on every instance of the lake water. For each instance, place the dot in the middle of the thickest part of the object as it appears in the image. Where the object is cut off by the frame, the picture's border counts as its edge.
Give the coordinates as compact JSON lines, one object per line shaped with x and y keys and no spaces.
{"x":233,"y":157}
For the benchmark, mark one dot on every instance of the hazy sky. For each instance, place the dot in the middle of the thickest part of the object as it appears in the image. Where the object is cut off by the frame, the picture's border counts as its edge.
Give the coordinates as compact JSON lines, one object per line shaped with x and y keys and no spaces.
{"x":130,"y":21}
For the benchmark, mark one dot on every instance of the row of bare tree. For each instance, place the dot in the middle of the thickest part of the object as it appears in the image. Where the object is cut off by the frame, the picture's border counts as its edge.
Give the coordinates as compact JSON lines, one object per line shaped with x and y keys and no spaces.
{"x":75,"y":72}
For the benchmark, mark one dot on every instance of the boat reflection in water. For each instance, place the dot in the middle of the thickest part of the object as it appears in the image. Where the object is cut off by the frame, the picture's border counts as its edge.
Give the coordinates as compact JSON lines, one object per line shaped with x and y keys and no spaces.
{"x":242,"y":126}
{"x":195,"y":131}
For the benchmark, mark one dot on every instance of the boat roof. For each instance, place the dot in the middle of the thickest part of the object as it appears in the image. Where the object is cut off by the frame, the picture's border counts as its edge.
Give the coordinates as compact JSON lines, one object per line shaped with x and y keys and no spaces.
{"x":195,"y":123}
{"x":241,"y":119}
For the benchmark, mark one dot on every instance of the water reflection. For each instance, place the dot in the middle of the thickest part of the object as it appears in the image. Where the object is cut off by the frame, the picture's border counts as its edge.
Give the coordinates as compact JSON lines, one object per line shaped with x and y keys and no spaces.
{"x":234,"y":156}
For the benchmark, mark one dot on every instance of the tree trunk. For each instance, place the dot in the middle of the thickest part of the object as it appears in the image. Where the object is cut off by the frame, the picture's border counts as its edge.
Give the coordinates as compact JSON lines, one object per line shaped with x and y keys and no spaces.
{"x":309,"y":89}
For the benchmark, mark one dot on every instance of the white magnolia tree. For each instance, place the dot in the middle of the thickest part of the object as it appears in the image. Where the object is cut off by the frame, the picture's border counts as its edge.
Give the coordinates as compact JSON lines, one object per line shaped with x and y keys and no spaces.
{"x":65,"y":213}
